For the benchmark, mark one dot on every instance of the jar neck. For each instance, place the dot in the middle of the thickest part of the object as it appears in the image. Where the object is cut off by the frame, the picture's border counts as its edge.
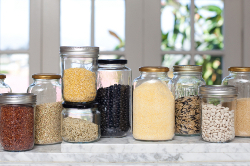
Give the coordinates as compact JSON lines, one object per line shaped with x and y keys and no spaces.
{"x":199,"y":74}
{"x":238,"y":73}
{"x":111,"y":65}
{"x":52,"y":81}
{"x":153,"y":74}
{"x":2,"y":80}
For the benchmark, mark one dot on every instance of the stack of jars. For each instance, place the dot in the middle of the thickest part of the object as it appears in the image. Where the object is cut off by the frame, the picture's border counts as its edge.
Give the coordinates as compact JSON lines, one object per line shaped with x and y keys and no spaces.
{"x":80,"y":117}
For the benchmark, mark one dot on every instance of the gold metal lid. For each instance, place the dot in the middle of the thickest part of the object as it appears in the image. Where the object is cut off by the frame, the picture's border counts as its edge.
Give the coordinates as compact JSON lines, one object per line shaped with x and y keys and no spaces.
{"x":239,"y":69}
{"x":154,"y":69}
{"x":187,"y":68}
{"x":2,"y":76}
{"x":46,"y":76}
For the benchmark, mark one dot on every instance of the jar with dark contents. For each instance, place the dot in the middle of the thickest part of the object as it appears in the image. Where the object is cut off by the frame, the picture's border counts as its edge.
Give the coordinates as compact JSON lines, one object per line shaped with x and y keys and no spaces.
{"x":185,"y":87}
{"x":114,"y":97}
{"x":17,"y":121}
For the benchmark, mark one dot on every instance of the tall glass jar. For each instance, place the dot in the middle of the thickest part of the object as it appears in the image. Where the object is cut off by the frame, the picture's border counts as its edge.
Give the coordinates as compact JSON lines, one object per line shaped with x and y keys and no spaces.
{"x":218,"y":112}
{"x":240,"y":77}
{"x":4,"y":88}
{"x":47,"y":87}
{"x":114,"y":97}
{"x":80,"y":122}
{"x":153,"y":105}
{"x":17,"y":121}
{"x":185,"y":87}
{"x":79,"y":67}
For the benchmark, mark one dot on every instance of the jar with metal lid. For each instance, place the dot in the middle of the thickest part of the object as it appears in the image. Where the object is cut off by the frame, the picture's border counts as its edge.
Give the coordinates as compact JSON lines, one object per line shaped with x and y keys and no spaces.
{"x":185,"y":87}
{"x":79,"y":67}
{"x":80,"y":122}
{"x":17,"y":121}
{"x":153,"y":105}
{"x":4,"y":88}
{"x":240,"y":77}
{"x":218,"y":112}
{"x":114,"y":96}
{"x":47,"y":87}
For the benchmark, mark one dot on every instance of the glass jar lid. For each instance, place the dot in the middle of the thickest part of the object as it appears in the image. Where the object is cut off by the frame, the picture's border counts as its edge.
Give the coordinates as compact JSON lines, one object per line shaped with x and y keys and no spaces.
{"x":239,"y":69}
{"x":17,"y":98}
{"x":153,"y":69}
{"x":2,"y":76}
{"x":86,"y":52}
{"x":187,"y":68}
{"x":112,"y":61}
{"x":46,"y":76}
{"x":220,"y":90}
{"x":79,"y":105}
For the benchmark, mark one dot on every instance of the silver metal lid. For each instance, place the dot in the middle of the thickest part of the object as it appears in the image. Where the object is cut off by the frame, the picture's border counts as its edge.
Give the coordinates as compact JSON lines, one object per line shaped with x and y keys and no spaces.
{"x":17,"y":98}
{"x":220,"y":90}
{"x":88,"y":51}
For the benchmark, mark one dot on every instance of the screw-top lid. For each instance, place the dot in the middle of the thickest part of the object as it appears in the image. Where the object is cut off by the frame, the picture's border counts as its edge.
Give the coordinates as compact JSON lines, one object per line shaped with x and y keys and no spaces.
{"x":220,"y":90}
{"x":239,"y":69}
{"x":46,"y":76}
{"x":154,"y":69}
{"x":2,"y":76}
{"x":17,"y":98}
{"x":187,"y":68}
{"x":79,"y":105}
{"x":82,"y":51}
{"x":112,"y":61}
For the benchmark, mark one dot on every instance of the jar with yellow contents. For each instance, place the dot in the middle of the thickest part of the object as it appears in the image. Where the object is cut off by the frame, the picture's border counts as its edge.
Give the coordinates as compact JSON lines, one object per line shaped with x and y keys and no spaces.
{"x":79,"y":67}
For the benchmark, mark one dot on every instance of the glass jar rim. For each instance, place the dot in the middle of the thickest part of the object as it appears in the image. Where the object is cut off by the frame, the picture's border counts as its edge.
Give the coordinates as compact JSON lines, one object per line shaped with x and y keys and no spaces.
{"x":46,"y":76}
{"x":218,"y":90}
{"x":17,"y":98}
{"x":239,"y":69}
{"x":153,"y":69}
{"x":187,"y":68}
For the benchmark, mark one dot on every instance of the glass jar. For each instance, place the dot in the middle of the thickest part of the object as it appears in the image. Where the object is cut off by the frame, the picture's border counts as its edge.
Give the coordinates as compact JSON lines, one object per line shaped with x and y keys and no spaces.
{"x":218,"y":112}
{"x":114,"y":97}
{"x":185,"y":87}
{"x":4,"y":88}
{"x":240,"y":77}
{"x":153,"y":105}
{"x":80,"y":122}
{"x":79,"y":67}
{"x":17,"y":121}
{"x":47,"y":87}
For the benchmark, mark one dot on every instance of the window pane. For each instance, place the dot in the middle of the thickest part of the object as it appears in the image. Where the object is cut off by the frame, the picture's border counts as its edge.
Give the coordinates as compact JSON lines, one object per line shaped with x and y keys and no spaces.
{"x":14,"y":24}
{"x":110,"y":24}
{"x":169,"y":60}
{"x":209,"y":21}
{"x":212,"y":68}
{"x":16,"y":68}
{"x":75,"y":22}
{"x":175,"y":24}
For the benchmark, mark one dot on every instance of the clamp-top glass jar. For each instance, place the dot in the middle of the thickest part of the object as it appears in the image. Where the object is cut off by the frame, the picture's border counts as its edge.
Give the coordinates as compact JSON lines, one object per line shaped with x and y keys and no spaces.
{"x":185,"y":87}
{"x":47,"y":87}
{"x":4,"y":88}
{"x":114,"y":97}
{"x":153,"y":105}
{"x":240,"y":77}
{"x":218,"y":112}
{"x":79,"y":67}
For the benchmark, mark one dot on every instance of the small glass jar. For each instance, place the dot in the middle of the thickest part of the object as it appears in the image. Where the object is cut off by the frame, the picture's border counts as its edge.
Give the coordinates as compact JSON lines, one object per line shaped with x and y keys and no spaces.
{"x":218,"y":112}
{"x":114,"y":97}
{"x":17,"y":121}
{"x":153,"y":105}
{"x":185,"y":87}
{"x":79,"y":67}
{"x":80,"y":122}
{"x":240,"y":77}
{"x":47,"y":87}
{"x":4,"y":88}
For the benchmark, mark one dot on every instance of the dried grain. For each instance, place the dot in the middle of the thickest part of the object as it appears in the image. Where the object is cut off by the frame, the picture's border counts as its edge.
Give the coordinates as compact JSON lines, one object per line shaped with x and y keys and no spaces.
{"x":242,"y":121}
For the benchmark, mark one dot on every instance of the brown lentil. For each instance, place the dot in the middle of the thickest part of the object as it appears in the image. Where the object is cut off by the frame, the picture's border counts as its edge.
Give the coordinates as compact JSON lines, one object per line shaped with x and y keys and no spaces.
{"x":187,"y":115}
{"x":48,"y":123}
{"x":79,"y":85}
{"x":17,"y":127}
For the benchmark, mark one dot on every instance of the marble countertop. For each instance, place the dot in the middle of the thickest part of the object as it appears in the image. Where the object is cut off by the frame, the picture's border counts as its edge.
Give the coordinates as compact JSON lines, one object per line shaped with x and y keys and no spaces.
{"x":127,"y":151}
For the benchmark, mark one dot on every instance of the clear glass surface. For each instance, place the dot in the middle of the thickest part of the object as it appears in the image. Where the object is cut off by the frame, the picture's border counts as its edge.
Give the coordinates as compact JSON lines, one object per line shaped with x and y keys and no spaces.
{"x":4,"y":88}
{"x":81,"y":125}
{"x":75,"y":23}
{"x":110,"y":24}
{"x":175,"y":25}
{"x":14,"y":24}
